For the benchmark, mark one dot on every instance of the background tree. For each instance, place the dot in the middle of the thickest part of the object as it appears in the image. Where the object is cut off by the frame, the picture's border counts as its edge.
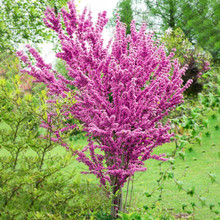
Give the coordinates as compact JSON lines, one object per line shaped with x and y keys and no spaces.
{"x":21,"y":21}
{"x":124,"y":9}
{"x":200,"y":20}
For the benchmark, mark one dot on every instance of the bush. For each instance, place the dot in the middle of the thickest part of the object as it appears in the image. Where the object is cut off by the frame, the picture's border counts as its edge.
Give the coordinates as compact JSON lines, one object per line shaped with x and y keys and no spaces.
{"x":36,"y":181}
{"x":193,"y":56}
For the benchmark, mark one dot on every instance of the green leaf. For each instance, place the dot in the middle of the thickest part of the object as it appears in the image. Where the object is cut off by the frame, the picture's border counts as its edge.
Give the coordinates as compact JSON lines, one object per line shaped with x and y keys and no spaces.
{"x":179,"y":184}
{"x":170,"y":175}
{"x":202,"y":200}
{"x":205,"y":122}
{"x":191,"y":191}
{"x":145,"y":207}
{"x":147,"y":194}
{"x":125,"y":216}
{"x":207,"y":134}
{"x":213,"y":116}
{"x":193,"y":204}
{"x":211,"y":206}
{"x":198,"y":139}
{"x":184,"y":206}
{"x":182,"y":155}
{"x":182,"y":144}
{"x":212,"y":177}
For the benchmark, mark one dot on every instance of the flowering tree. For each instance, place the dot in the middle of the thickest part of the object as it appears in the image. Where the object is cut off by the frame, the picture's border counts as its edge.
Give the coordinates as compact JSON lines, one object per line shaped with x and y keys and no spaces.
{"x":123,"y":92}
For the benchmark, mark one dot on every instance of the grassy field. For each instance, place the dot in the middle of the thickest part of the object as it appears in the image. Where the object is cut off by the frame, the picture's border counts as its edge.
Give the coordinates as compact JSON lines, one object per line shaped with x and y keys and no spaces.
{"x":198,"y":163}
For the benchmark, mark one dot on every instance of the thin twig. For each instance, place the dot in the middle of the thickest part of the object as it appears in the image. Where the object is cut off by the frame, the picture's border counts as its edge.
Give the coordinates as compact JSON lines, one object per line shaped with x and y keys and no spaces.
{"x":131,"y":194}
{"x":126,"y":198}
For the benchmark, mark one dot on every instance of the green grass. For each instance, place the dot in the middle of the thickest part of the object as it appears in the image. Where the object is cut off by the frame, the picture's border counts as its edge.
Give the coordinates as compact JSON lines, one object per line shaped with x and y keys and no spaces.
{"x":202,"y":160}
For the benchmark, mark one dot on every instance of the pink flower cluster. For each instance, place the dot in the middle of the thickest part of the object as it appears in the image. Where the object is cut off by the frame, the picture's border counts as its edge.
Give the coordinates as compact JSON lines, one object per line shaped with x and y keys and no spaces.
{"x":123,"y":91}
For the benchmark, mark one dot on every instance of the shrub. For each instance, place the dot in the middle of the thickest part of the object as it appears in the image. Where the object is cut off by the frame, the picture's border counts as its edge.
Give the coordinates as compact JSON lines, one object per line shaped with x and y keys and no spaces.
{"x":36,"y":176}
{"x":196,"y":59}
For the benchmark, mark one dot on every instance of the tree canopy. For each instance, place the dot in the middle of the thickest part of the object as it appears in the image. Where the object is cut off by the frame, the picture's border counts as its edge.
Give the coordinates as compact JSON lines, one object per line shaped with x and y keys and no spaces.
{"x":124,"y":9}
{"x":199,"y":19}
{"x":21,"y":21}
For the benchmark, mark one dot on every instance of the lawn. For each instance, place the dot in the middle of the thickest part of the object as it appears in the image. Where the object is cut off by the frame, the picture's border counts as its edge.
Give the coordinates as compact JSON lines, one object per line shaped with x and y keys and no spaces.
{"x":198,"y":163}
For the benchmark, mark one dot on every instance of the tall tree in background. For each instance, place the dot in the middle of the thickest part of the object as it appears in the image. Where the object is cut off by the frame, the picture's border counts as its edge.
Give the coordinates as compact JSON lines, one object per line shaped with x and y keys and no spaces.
{"x":21,"y":21}
{"x":124,"y":9}
{"x":199,"y":19}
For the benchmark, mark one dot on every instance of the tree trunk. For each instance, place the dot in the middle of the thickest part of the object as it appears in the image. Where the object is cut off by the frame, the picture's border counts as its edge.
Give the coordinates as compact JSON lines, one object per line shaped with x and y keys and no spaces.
{"x":117,"y":201}
{"x":172,"y":14}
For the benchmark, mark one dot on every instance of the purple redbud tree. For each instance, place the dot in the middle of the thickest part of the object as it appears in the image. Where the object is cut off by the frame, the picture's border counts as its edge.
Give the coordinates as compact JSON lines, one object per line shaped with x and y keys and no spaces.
{"x":123,"y":91}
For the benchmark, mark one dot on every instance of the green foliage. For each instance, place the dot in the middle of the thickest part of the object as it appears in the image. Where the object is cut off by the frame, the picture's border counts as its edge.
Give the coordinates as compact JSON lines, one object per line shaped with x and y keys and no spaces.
{"x":190,"y":119}
{"x":22,"y":21}
{"x":8,"y":64}
{"x":52,"y":193}
{"x":147,"y":214}
{"x":196,"y":59}
{"x":61,"y":68}
{"x":175,"y":38}
{"x":188,"y":16}
{"x":124,"y":10}
{"x":9,"y":67}
{"x":36,"y":178}
{"x":184,"y":14}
